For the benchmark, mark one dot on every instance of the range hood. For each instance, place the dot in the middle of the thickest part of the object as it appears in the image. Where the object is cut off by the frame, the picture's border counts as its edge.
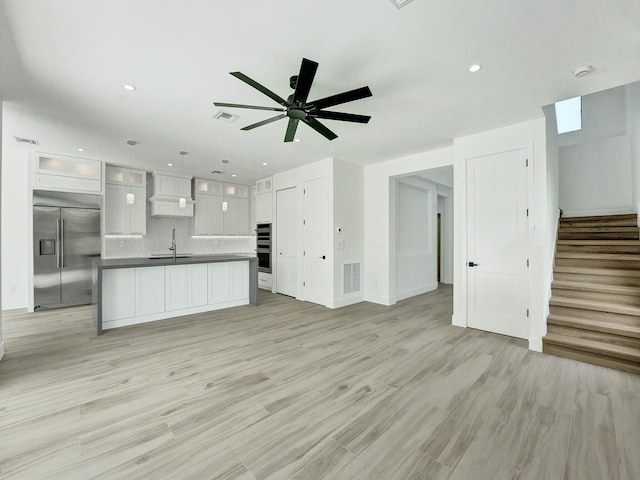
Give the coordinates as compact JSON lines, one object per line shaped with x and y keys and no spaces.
{"x":171,"y":196}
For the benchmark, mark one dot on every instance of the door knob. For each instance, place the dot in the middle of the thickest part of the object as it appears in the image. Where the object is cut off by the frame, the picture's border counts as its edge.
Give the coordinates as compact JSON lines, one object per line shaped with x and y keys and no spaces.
{"x":323,"y":257}
{"x":471,"y":264}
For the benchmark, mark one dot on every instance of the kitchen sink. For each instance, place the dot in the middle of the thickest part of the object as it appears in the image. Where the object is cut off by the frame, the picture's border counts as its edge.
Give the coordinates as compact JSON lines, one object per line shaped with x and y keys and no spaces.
{"x":155,"y":256}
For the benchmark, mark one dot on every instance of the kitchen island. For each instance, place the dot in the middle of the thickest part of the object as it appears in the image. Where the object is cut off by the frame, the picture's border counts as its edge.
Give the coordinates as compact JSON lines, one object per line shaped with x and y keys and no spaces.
{"x":128,"y":291}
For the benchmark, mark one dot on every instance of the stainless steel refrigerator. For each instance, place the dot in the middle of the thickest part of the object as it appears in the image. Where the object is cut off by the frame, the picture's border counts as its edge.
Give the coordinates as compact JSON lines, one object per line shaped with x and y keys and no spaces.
{"x":66,"y":238}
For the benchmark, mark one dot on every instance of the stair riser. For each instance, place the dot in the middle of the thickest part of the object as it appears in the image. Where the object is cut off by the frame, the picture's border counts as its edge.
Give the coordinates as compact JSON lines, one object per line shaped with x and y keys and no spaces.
{"x":597,"y":296}
{"x":612,"y":328}
{"x":598,"y":263}
{"x":616,"y":249}
{"x":605,"y":235}
{"x":602,"y":279}
{"x":605,"y":361}
{"x":609,"y":338}
{"x":632,"y":320}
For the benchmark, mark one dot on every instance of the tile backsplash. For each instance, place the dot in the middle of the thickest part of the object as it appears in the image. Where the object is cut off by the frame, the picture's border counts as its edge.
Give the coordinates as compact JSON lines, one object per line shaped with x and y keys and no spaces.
{"x":158,"y":239}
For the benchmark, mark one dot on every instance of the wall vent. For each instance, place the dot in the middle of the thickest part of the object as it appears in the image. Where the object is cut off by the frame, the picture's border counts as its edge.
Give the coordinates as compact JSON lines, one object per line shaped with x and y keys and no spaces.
{"x":351,"y":278}
{"x":400,"y":3}
{"x":27,"y":140}
{"x":226,"y":117}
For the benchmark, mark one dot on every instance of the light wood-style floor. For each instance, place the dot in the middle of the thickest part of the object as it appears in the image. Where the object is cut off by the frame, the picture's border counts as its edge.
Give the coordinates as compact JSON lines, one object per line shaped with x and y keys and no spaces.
{"x":291,"y":390}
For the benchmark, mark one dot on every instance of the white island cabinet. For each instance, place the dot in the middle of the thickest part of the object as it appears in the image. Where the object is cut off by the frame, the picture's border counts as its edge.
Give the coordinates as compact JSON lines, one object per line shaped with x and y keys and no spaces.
{"x":132,"y":291}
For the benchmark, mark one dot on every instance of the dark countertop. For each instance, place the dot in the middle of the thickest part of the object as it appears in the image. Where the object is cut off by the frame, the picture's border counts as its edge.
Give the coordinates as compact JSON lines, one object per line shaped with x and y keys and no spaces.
{"x":161,"y":261}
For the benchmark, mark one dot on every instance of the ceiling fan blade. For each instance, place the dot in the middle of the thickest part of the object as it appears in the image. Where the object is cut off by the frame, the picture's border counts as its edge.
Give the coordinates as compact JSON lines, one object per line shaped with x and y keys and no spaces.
{"x":264,"y":122}
{"x":344,"y":97}
{"x":345,"y":117}
{"x":291,"y":130}
{"x":253,"y":107}
{"x":257,"y":86}
{"x":320,"y":128}
{"x":307,"y":73}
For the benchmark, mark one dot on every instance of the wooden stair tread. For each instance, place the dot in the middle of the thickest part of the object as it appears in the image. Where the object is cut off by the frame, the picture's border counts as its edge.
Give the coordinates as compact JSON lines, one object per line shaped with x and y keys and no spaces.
{"x":595,"y":325}
{"x":603,"y":348}
{"x":596,"y":287}
{"x":609,"y":272}
{"x":604,"y":242}
{"x":580,"y":303}
{"x":631,"y":257}
{"x":601,"y":228}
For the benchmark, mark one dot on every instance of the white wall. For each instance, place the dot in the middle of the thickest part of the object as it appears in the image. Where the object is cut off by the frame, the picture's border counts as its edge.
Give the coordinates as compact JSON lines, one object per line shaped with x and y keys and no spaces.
{"x":379,"y":270}
{"x":595,"y":162}
{"x":15,"y":233}
{"x":416,"y":237}
{"x":633,"y":129}
{"x":530,"y":136}
{"x":348,"y":216}
{"x":595,"y":177}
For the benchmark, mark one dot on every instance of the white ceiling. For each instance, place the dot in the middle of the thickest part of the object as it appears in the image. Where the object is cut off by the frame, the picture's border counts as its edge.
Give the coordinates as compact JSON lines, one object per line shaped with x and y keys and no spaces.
{"x":63,"y":65}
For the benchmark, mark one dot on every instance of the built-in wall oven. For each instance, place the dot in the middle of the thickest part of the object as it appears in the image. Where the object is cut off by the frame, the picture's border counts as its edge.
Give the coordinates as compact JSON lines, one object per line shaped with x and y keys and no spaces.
{"x":263,"y":247}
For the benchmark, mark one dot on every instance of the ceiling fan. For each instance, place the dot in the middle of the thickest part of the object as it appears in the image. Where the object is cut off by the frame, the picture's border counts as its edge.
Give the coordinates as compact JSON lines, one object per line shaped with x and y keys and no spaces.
{"x":296,"y":106}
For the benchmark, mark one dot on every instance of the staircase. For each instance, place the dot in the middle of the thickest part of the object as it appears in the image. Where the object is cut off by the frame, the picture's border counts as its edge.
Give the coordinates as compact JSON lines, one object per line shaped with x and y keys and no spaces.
{"x":594,"y":310}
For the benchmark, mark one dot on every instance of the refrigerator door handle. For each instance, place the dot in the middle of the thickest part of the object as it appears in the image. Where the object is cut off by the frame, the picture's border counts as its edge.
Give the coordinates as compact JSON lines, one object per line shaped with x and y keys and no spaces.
{"x":61,"y":243}
{"x":58,"y":243}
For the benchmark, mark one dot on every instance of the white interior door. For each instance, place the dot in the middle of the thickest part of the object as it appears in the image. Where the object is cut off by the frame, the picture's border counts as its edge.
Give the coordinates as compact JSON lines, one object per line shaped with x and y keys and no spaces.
{"x":497,"y":243}
{"x":286,"y":251}
{"x":315,"y":240}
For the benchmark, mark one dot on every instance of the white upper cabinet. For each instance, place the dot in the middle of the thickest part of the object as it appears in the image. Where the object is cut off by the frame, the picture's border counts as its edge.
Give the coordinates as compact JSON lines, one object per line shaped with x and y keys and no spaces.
{"x":124,"y":217}
{"x":125,"y":176}
{"x":221,"y":208}
{"x":263,"y":186}
{"x":67,"y":174}
{"x":264,"y":201}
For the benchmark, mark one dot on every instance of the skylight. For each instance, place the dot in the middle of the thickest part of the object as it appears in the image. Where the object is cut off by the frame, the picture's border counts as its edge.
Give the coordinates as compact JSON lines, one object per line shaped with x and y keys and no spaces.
{"x":569,"y":115}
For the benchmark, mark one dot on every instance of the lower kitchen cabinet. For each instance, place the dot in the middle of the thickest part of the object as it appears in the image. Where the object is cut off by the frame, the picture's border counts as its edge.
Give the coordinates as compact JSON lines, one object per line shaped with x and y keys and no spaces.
{"x":228,"y":282}
{"x":185,"y":286}
{"x":142,"y":294}
{"x":149,"y":288}
{"x":120,"y":285}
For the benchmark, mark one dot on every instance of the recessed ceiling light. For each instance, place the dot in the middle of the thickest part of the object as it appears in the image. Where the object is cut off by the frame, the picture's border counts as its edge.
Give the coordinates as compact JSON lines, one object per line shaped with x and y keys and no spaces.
{"x":129,"y":87}
{"x":297,"y":140}
{"x":169,"y":164}
{"x":264,"y":163}
{"x":476,"y":67}
{"x":81,"y":149}
{"x":233,"y":174}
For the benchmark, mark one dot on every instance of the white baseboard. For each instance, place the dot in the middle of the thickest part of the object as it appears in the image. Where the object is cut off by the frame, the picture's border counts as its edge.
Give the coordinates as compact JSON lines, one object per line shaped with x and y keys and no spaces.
{"x":1,"y":350}
{"x":458,"y":321}
{"x":417,"y":291}
{"x":348,"y":300}
{"x":535,"y":344}
{"x":380,"y":299}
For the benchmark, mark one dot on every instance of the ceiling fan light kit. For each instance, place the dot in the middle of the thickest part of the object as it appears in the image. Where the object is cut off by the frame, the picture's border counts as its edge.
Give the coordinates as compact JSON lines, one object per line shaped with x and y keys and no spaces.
{"x":296,"y":107}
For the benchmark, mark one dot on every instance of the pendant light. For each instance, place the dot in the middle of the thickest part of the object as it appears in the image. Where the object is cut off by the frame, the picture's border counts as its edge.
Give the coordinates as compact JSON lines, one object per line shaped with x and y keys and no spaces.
{"x":131,"y":197}
{"x":182,"y":202}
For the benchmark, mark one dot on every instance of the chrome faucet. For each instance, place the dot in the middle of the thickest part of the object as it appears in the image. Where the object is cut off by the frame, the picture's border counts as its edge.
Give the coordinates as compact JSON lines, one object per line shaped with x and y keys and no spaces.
{"x":173,"y":243}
